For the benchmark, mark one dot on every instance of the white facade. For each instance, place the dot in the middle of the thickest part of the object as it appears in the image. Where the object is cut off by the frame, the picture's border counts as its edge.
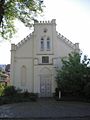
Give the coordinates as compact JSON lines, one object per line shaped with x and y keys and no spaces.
{"x":34,"y":59}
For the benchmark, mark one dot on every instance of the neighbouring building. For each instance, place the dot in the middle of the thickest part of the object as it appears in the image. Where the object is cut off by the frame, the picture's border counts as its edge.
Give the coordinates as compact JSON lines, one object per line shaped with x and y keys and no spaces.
{"x":35,"y":58}
{"x":2,"y":67}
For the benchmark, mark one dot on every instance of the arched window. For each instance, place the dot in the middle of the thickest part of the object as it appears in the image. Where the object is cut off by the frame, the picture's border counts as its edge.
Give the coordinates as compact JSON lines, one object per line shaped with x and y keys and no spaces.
{"x":23,"y":75}
{"x":42,"y":43}
{"x":48,"y":43}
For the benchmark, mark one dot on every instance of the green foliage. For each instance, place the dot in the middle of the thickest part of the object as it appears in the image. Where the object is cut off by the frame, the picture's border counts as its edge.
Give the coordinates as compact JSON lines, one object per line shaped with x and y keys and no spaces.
{"x":33,"y":96}
{"x":74,"y":75}
{"x":1,"y":88}
{"x":27,"y":96}
{"x":26,"y":93}
{"x":9,"y":91}
{"x":12,"y":95}
{"x":87,"y":90}
{"x":24,"y":10}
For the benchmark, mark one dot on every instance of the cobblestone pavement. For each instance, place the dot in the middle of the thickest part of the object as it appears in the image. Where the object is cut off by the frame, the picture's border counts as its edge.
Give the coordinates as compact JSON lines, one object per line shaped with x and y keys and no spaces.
{"x":46,"y":110}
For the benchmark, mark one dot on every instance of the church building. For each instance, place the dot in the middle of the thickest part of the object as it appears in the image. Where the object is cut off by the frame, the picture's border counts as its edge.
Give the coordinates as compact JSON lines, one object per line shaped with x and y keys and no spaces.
{"x":34,"y":60}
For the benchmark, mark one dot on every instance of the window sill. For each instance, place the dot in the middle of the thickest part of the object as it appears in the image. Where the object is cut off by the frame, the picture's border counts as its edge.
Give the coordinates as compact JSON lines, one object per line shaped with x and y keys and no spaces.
{"x":45,"y":64}
{"x":42,"y":50}
{"x":48,"y":49}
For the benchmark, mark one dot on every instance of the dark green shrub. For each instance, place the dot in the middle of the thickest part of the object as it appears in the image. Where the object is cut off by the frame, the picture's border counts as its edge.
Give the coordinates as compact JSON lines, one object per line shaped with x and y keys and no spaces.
{"x":27,"y":96}
{"x":26,"y":93}
{"x":12,"y":95}
{"x":87,"y":90}
{"x":9,"y":91}
{"x":33,"y":96}
{"x":57,"y":92}
{"x":1,"y":88}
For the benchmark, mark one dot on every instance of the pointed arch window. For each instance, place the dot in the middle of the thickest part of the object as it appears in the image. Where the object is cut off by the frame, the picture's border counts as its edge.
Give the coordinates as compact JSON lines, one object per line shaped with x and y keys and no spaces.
{"x":42,"y":43}
{"x":48,"y":43}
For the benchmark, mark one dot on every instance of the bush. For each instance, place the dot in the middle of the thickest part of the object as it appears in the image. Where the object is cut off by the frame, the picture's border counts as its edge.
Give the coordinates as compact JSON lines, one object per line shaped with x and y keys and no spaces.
{"x":33,"y":96}
{"x":9,"y":91}
{"x":87,"y":90}
{"x":1,"y":88}
{"x":13,"y":95}
{"x":27,"y":96}
{"x":57,"y":92}
{"x":26,"y":93}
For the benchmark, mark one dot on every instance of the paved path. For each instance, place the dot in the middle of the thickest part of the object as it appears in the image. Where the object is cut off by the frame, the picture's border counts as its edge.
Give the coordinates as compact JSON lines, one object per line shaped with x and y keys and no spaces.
{"x":47,"y":109}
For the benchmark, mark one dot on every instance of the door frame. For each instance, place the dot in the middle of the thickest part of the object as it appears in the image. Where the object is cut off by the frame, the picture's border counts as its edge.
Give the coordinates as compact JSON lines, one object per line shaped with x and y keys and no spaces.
{"x":45,"y":90}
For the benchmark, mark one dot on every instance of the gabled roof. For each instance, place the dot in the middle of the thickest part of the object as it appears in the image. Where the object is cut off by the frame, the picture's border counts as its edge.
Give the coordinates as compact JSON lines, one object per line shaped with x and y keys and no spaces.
{"x":24,"y":40}
{"x":61,"y":37}
{"x":67,"y":41}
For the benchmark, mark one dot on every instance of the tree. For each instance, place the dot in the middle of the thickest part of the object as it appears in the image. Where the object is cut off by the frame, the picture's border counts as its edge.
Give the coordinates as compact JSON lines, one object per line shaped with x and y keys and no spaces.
{"x":74,"y":74}
{"x":24,"y":10}
{"x":7,"y":68}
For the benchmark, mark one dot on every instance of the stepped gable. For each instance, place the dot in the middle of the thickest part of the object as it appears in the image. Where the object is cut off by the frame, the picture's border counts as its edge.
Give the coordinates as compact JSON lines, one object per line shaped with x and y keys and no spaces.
{"x":24,"y":40}
{"x":53,"y":21}
{"x":68,"y":42}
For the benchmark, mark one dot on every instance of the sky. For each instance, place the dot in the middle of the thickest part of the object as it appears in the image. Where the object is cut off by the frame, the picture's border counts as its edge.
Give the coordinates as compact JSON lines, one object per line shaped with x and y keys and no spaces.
{"x":72,"y":19}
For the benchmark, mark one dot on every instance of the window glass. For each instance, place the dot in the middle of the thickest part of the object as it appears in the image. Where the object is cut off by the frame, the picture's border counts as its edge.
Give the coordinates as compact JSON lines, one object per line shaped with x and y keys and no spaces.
{"x":48,"y":43}
{"x":42,"y":43}
{"x":45,"y":59}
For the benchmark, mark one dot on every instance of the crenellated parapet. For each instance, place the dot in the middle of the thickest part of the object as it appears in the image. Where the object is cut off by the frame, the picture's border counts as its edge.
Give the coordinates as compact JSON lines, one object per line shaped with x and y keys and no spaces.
{"x":24,"y":40}
{"x":53,"y":21}
{"x":67,"y":41}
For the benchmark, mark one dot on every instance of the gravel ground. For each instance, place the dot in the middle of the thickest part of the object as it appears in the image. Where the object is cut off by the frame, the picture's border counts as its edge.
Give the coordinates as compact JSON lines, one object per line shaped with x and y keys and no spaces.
{"x":46,"y":110}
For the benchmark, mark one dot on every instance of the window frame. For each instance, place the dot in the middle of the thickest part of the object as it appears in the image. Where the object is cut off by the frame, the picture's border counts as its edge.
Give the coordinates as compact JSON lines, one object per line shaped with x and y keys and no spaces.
{"x":42,"y":44}
{"x":48,"y":43}
{"x":45,"y":59}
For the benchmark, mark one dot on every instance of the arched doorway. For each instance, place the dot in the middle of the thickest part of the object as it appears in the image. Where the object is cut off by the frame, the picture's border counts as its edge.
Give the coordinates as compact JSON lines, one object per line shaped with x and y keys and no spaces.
{"x":45,"y":83}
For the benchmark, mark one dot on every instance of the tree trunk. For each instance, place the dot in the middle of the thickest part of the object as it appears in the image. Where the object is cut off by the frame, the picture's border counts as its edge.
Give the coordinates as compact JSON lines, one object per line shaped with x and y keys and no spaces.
{"x":2,"y":7}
